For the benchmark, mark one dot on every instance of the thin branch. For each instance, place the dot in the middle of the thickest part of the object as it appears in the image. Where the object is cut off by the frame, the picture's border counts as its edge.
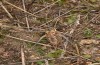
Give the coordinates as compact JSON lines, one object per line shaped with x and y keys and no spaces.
{"x":35,"y":60}
{"x":77,"y":49}
{"x":23,"y":1}
{"x":25,"y":40}
{"x":46,"y":7}
{"x":41,"y":38}
{"x":78,"y":52}
{"x":55,"y":18}
{"x":22,"y":56}
{"x":20,"y":9}
{"x":1,"y":4}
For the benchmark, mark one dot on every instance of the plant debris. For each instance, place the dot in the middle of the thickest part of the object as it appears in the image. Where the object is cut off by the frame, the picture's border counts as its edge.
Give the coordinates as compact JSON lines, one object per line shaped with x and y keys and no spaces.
{"x":50,"y":32}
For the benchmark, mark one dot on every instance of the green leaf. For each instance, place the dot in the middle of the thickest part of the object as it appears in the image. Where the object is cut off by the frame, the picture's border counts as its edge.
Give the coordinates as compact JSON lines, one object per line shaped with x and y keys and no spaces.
{"x":44,"y":40}
{"x":71,"y":19}
{"x":61,"y":2}
{"x":54,"y":54}
{"x":93,"y":1}
{"x":98,"y":36}
{"x":39,"y":50}
{"x":88,"y":32}
{"x":1,"y":38}
{"x":40,"y":63}
{"x":51,"y":64}
{"x":87,"y":56}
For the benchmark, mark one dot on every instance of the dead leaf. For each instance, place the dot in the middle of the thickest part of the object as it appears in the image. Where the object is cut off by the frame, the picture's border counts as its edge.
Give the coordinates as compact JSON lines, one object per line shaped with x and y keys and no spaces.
{"x":34,"y":55}
{"x":73,"y":1}
{"x":88,"y":63}
{"x":0,"y":24}
{"x":51,"y":36}
{"x":97,"y":59}
{"x":1,"y":50}
{"x":88,"y":42}
{"x":54,"y":37}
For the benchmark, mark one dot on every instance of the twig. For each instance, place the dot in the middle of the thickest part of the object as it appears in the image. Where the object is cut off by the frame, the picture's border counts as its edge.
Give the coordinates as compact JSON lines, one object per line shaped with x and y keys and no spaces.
{"x":75,"y":54}
{"x":77,"y":49}
{"x":37,"y":43}
{"x":22,"y":56}
{"x":21,"y":28}
{"x":46,"y":7}
{"x":65,"y":45}
{"x":23,"y":1}
{"x":41,"y":38}
{"x":35,"y":60}
{"x":57,"y":21}
{"x":25,"y":40}
{"x":55,"y":18}
{"x":20,"y":9}
{"x":1,"y":4}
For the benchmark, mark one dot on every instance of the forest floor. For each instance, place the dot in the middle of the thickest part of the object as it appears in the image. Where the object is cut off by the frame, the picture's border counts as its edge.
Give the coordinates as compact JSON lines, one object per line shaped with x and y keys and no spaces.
{"x":49,"y":32}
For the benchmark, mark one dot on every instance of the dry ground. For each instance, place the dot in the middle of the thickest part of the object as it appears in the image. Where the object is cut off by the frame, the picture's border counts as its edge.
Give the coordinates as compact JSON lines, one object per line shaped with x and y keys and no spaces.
{"x":49,"y":32}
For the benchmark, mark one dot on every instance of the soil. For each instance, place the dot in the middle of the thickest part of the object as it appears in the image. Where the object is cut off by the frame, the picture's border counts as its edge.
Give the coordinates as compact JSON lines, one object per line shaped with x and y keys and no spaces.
{"x":50,"y":32}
